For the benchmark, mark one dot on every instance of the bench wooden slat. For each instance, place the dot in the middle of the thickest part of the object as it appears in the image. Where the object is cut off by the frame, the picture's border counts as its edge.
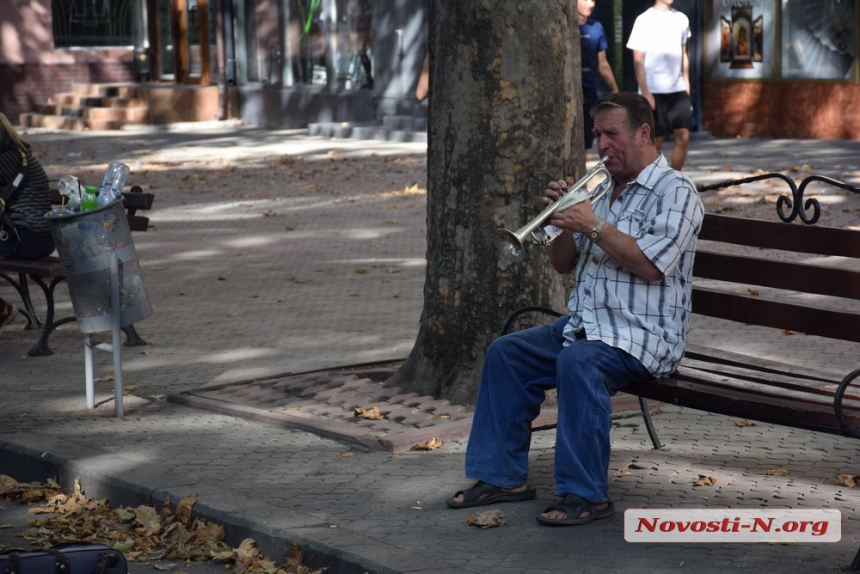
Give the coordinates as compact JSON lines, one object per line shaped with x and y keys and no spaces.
{"x":734,"y":403}
{"x":755,"y":382}
{"x":134,"y":199}
{"x":776,"y":235}
{"x":46,"y":267}
{"x":760,"y":310}
{"x":802,"y":277}
{"x":722,"y":357}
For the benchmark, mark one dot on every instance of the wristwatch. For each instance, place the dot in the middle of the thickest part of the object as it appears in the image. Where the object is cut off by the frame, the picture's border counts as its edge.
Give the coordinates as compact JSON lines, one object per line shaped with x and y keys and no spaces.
{"x":594,"y":234}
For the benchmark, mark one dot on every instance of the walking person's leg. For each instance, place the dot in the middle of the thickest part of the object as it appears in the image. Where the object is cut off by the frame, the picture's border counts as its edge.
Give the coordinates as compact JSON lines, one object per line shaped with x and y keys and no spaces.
{"x":680,"y":116}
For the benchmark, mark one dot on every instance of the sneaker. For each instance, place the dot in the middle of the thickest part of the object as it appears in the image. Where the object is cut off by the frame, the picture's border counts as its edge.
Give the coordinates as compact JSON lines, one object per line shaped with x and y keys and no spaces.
{"x":8,"y":315}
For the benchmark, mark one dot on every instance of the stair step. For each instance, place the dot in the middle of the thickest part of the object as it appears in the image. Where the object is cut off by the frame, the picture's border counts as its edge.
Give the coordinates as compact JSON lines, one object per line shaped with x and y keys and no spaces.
{"x":130,"y":115}
{"x":105,"y":90}
{"x":72,"y":99}
{"x":365,"y":131}
{"x":52,"y":122}
{"x":408,"y":123}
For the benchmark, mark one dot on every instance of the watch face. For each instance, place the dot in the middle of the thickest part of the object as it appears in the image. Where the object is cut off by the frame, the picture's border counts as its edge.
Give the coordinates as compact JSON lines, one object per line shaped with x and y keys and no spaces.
{"x":594,"y":235}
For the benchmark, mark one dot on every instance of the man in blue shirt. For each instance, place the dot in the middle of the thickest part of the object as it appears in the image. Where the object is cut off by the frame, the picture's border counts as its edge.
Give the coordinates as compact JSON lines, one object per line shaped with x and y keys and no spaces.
{"x":593,"y":53}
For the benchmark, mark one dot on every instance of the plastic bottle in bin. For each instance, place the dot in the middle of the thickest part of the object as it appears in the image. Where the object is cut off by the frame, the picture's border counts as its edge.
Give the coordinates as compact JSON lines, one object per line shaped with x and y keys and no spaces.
{"x":71,"y":189}
{"x":88,"y":199}
{"x":114,"y":180}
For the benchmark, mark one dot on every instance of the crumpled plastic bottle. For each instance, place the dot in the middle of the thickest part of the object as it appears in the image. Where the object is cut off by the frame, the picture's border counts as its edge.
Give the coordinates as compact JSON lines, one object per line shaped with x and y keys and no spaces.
{"x":113,"y":183}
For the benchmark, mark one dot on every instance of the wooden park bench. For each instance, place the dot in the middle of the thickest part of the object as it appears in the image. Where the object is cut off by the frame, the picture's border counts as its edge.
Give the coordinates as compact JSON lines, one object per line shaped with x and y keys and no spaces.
{"x":48,"y":272}
{"x":798,"y":278}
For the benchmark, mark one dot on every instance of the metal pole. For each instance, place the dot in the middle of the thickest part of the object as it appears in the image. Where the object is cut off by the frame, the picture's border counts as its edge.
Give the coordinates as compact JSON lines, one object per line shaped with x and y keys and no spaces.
{"x":88,"y":372}
{"x":117,"y":341}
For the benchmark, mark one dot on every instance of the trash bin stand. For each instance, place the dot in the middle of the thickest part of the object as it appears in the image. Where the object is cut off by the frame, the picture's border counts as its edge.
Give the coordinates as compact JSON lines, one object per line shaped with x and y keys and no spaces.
{"x":115,"y":347}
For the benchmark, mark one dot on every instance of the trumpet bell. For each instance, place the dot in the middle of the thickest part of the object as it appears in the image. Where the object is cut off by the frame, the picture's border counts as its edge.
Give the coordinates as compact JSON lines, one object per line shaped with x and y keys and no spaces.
{"x":510,"y":246}
{"x":510,"y":243}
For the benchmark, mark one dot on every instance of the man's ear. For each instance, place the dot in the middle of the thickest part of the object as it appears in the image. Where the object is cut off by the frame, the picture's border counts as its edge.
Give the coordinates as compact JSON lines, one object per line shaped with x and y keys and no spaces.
{"x":646,"y":134}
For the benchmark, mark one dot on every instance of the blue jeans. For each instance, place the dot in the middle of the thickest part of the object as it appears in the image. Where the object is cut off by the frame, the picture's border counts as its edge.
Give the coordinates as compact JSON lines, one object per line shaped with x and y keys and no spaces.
{"x":518,"y":370}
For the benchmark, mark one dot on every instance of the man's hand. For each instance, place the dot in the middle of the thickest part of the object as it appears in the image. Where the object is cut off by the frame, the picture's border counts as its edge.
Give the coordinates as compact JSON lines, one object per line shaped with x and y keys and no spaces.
{"x":554,"y":190}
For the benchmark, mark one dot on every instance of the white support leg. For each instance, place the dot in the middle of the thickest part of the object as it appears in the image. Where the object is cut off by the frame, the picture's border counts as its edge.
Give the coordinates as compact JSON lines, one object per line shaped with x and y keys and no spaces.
{"x":117,"y":341}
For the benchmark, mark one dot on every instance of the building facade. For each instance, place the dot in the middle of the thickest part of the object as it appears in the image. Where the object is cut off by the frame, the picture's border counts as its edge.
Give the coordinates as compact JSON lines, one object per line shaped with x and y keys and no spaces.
{"x":280,"y":63}
{"x":759,"y":68}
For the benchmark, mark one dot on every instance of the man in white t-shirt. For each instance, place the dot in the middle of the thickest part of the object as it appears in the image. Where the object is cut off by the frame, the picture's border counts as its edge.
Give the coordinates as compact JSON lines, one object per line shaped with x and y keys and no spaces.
{"x":659,"y":44}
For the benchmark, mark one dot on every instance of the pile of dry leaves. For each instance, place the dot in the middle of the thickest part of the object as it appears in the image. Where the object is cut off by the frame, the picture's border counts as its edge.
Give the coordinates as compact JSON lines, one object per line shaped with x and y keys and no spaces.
{"x":142,"y":534}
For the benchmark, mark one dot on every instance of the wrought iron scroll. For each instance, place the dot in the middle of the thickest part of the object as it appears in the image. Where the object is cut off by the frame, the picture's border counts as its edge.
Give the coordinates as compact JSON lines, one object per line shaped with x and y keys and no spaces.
{"x":840,"y":411}
{"x":793,"y":203}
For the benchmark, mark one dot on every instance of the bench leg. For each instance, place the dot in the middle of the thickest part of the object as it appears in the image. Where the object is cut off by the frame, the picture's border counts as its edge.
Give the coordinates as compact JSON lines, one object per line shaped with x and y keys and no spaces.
{"x":24,"y":293}
{"x":41,"y":349}
{"x":29,"y":310}
{"x":649,"y":424}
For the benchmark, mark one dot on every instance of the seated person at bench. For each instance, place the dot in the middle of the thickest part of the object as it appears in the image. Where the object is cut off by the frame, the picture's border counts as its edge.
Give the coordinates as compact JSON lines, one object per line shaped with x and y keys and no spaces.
{"x":27,"y":206}
{"x":632,"y":255}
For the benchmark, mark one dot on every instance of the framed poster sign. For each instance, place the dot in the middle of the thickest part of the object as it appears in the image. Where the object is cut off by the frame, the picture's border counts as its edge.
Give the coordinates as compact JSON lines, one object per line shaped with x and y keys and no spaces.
{"x":740,"y":39}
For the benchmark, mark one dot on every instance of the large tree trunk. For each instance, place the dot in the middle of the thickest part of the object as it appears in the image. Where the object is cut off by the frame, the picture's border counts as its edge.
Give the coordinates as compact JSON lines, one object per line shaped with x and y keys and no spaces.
{"x":505,"y":118}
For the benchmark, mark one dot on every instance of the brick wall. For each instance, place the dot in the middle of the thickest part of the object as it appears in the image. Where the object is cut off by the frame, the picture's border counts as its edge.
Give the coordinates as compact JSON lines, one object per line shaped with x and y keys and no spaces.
{"x":812,"y":110}
{"x":27,"y":85}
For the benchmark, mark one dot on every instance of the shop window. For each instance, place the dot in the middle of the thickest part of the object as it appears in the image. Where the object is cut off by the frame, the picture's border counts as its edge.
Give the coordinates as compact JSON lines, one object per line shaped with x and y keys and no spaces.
{"x":818,"y":39}
{"x":329,"y":43}
{"x":92,"y":24}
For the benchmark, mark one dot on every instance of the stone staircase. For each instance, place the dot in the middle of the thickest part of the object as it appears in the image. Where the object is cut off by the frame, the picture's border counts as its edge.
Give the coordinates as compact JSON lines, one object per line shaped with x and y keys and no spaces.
{"x":90,"y":107}
{"x":112,"y":106}
{"x":394,"y":128}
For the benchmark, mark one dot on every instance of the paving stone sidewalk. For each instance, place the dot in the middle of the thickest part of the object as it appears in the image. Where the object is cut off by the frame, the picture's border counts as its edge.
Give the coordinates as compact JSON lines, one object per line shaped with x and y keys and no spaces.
{"x":251,"y":285}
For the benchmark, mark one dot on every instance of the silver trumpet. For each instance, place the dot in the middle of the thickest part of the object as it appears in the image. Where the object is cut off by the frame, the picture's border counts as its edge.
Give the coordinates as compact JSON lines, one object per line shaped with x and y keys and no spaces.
{"x":510,"y":243}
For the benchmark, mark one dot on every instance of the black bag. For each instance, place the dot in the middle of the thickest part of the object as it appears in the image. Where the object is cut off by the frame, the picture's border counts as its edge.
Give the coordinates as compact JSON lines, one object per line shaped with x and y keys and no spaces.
{"x":69,"y":558}
{"x":8,"y":234}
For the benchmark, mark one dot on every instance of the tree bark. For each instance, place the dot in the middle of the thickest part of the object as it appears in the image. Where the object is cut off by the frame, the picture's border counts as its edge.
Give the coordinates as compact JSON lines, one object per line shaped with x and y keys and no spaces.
{"x":504,"y":119}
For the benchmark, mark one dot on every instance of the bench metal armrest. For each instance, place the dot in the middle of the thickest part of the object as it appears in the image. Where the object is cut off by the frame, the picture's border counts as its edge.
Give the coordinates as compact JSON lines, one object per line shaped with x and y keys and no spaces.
{"x":837,"y":404}
{"x":521,"y":311}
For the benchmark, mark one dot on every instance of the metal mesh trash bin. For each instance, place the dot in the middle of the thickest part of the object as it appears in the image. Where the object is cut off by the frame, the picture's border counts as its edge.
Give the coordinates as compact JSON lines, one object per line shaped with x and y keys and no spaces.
{"x":85,"y":243}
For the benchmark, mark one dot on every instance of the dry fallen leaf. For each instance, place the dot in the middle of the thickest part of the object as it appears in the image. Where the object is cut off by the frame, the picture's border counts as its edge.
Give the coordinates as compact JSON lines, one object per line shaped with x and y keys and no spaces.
{"x":371,"y":414}
{"x":753,"y":292}
{"x":745,"y":423}
{"x":848,"y":480}
{"x":486,"y":519}
{"x":431,"y":444}
{"x":623,"y":473}
{"x":787,"y":332}
{"x":142,"y":534}
{"x":774,"y":472}
{"x":705,"y":480}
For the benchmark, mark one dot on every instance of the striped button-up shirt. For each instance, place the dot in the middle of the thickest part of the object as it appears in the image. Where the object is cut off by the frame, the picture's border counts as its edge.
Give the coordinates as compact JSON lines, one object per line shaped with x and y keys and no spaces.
{"x":662,"y":211}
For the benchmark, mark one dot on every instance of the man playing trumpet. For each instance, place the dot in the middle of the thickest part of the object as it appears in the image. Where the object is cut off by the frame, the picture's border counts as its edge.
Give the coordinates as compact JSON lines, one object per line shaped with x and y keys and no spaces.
{"x":632,"y":255}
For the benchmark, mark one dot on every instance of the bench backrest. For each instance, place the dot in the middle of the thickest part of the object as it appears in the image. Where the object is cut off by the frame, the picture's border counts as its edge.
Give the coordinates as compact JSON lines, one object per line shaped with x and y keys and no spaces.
{"x":783,"y":275}
{"x":132,"y":201}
